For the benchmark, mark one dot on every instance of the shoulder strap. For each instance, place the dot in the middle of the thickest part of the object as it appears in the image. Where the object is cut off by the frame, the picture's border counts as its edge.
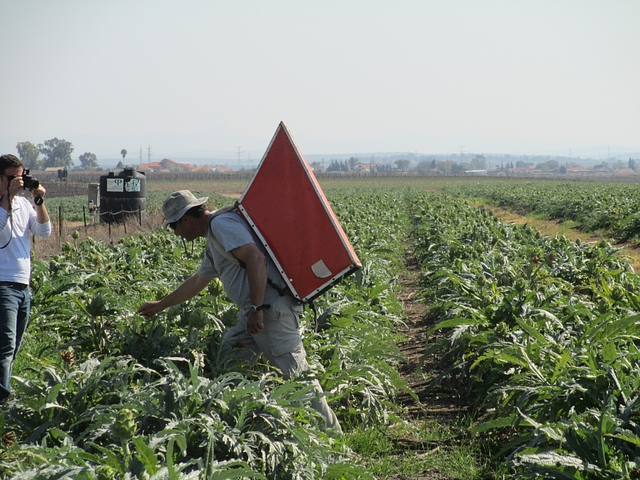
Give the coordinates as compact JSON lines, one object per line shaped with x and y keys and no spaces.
{"x":211,"y":236}
{"x":10,"y":220}
{"x":218,"y":246}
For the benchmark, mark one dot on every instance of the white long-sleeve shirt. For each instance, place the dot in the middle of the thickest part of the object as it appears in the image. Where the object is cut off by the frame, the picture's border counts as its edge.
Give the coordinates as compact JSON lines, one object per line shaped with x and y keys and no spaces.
{"x":15,"y":258}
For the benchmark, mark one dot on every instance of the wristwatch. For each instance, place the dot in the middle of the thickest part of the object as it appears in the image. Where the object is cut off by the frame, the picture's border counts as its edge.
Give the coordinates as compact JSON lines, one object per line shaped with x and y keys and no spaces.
{"x":256,"y":308}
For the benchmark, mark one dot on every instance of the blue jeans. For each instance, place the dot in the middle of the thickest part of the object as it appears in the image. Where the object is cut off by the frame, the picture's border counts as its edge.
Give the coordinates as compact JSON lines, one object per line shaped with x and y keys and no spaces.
{"x":15,"y":306}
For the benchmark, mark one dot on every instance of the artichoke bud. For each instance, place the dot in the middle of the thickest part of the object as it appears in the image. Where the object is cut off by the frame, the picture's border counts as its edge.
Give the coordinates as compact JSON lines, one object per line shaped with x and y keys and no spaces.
{"x":603,"y":305}
{"x":215,"y":287}
{"x":521,"y":284}
{"x":106,"y":472}
{"x":125,"y":426}
{"x":502,"y":329}
{"x":97,"y":306}
{"x":198,"y":319}
{"x":617,"y":293}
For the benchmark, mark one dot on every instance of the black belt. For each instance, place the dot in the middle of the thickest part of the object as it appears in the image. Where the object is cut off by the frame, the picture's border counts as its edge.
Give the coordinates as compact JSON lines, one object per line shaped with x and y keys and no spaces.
{"x":14,"y":285}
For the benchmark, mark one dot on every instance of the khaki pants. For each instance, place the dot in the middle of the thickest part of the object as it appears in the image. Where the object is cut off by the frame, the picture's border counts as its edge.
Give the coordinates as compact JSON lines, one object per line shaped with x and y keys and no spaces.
{"x":281,"y":343}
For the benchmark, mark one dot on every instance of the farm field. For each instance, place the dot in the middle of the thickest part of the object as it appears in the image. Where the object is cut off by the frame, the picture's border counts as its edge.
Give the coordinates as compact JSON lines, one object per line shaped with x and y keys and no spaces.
{"x":532,"y":336}
{"x":609,"y":213}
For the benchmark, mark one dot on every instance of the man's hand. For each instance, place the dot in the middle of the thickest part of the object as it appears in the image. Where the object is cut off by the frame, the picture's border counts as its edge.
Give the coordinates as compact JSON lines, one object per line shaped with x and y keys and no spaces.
{"x":189,"y":289}
{"x":15,"y":187}
{"x":38,"y":192}
{"x":150,"y":309}
{"x":254,"y":322}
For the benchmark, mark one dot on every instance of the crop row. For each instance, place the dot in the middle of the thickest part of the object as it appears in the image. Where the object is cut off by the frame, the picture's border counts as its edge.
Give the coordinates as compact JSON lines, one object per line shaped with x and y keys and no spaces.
{"x":543,"y":339}
{"x":103,"y":393}
{"x":612,"y":209}
{"x":74,"y":209}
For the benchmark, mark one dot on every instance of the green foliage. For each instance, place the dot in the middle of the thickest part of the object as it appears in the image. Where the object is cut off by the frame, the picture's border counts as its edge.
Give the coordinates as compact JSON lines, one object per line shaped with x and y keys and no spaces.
{"x":88,"y":161}
{"x":29,"y":155}
{"x":543,"y":338}
{"x":611,"y":209}
{"x":104,"y":393}
{"x":410,"y":451}
{"x":56,"y":152}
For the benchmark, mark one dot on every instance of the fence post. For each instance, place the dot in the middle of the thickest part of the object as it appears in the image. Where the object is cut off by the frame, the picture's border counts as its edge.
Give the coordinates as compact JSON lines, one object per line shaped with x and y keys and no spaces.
{"x":60,"y":221}
{"x":84,"y":217}
{"x":139,"y":215}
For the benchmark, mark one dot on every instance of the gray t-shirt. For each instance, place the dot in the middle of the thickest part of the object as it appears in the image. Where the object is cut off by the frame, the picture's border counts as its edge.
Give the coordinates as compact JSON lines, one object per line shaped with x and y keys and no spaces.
{"x":232,"y":231}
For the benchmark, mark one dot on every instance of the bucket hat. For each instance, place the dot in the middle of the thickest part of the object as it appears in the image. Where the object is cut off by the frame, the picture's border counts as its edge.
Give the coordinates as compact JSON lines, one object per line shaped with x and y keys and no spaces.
{"x":177,"y":204}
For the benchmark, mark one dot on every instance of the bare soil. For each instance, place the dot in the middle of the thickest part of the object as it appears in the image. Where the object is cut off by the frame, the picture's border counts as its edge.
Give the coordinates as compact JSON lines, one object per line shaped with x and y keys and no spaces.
{"x":418,"y":371}
{"x":442,"y":405}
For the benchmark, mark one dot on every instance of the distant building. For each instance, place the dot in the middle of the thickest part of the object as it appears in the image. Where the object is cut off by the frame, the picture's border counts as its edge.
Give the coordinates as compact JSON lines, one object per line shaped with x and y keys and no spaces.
{"x":172,"y":166}
{"x":150,"y":167}
{"x":364,"y":167}
{"x":212,"y":169}
{"x":168,"y":165}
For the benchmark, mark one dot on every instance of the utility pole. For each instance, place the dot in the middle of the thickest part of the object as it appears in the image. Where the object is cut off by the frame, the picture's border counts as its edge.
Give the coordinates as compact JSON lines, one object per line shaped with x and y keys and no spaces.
{"x":461,"y":149}
{"x":239,"y":153}
{"x":149,"y":153}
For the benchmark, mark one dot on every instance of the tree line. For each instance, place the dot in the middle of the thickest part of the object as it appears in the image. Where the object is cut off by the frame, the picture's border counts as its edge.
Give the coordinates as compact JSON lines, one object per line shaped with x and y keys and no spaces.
{"x":448,"y":166}
{"x":479,"y":162}
{"x":55,"y":152}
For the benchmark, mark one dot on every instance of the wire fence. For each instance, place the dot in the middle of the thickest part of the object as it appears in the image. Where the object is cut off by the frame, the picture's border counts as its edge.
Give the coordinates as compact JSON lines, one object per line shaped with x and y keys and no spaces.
{"x":131,"y":222}
{"x":107,"y":217}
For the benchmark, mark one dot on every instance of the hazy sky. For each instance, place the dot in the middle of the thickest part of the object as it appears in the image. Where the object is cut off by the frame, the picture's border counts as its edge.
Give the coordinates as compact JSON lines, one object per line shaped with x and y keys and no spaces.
{"x":213,"y":79}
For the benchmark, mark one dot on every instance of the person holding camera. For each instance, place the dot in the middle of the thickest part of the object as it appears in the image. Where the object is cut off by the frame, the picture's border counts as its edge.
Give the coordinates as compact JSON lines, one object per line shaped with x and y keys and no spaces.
{"x":268,"y":318}
{"x":18,"y":219}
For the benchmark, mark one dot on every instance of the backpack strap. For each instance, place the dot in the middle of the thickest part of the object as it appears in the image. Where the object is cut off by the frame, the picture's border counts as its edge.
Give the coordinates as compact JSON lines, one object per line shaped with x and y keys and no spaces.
{"x":211,"y":236}
{"x":233,"y":259}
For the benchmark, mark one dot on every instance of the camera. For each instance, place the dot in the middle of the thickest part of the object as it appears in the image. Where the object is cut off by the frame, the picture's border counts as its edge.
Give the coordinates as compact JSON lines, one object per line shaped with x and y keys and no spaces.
{"x":29,"y":183}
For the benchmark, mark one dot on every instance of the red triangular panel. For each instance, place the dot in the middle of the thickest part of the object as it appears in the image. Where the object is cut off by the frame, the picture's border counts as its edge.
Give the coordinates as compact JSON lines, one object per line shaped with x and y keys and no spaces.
{"x":286,"y":207}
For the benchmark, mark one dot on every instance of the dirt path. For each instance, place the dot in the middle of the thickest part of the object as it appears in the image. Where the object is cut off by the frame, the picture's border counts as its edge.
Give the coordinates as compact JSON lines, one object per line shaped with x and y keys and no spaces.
{"x":418,"y":372}
{"x":417,"y":325}
{"x":439,"y":406}
{"x":552,"y":227}
{"x":442,"y":405}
